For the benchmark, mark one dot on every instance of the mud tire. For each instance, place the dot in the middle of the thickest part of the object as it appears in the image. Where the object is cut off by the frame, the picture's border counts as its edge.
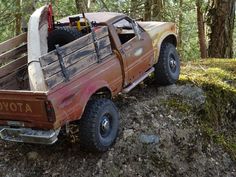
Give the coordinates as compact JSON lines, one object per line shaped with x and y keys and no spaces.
{"x":167,"y":69}
{"x":91,"y":134}
{"x":62,"y":36}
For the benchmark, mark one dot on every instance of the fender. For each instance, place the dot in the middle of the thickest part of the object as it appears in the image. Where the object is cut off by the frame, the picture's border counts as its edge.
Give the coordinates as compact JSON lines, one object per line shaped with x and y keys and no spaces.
{"x":85,"y":93}
{"x":159,"y":42}
{"x":158,"y":32}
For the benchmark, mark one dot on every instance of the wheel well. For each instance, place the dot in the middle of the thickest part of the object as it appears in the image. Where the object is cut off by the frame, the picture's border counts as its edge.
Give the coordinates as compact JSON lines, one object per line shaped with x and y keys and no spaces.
{"x":170,"y":39}
{"x":102,"y":93}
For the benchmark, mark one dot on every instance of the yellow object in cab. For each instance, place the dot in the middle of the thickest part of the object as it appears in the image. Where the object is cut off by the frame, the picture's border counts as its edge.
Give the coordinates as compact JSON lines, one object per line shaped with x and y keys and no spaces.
{"x":78,"y":25}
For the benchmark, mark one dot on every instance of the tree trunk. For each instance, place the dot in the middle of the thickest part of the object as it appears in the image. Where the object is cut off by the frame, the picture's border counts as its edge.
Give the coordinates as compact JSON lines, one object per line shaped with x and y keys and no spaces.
{"x":157,"y":10}
{"x":18,"y":17}
{"x":133,"y":5}
{"x":27,"y":8}
{"x":77,"y":4}
{"x":201,"y":30}
{"x":81,"y":6}
{"x":222,"y":15}
{"x":148,"y":12}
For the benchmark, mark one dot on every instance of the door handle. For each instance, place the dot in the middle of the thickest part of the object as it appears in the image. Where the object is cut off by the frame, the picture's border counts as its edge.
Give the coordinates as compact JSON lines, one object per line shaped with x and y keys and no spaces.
{"x":127,"y":48}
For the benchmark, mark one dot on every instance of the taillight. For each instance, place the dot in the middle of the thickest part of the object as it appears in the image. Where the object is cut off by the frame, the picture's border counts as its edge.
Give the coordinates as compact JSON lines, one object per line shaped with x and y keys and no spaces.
{"x":50,"y":111}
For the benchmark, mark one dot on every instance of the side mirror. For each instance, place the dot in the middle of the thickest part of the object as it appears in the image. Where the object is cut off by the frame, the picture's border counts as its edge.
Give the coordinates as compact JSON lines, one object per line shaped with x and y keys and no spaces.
{"x":137,"y":30}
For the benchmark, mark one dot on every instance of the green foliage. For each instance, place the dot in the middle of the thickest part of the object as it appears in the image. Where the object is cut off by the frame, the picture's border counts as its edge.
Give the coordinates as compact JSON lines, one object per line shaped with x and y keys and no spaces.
{"x":171,"y":11}
{"x":61,"y":8}
{"x":7,"y":18}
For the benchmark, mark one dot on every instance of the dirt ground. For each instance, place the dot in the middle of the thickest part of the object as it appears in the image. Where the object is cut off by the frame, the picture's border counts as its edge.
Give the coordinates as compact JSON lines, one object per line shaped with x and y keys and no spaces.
{"x":182,"y":150}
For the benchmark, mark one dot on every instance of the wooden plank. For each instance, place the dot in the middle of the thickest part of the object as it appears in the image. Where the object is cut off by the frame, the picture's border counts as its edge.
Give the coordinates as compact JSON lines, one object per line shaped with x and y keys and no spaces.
{"x":103,"y":42}
{"x":76,"y":45}
{"x":78,"y":55}
{"x":11,"y":85}
{"x":55,"y":80}
{"x":11,"y":77}
{"x":12,"y":43}
{"x":78,"y":67}
{"x":77,"y":60}
{"x":82,"y":65}
{"x":7,"y":69}
{"x":103,"y":53}
{"x":55,"y":67}
{"x":74,"y":57}
{"x":72,"y":70}
{"x":51,"y":69}
{"x":82,"y":42}
{"x":85,"y":51}
{"x":8,"y":77}
{"x":73,"y":46}
{"x":101,"y":32}
{"x":12,"y":54}
{"x":15,"y":85}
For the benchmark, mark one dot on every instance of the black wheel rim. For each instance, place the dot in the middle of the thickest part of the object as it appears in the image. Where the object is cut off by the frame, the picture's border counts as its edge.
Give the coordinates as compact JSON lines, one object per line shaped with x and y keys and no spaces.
{"x":172,"y":63}
{"x":105,"y":125}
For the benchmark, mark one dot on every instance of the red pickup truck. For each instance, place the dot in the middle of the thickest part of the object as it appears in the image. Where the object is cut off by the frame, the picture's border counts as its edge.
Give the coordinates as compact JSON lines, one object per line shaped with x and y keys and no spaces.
{"x":82,"y":77}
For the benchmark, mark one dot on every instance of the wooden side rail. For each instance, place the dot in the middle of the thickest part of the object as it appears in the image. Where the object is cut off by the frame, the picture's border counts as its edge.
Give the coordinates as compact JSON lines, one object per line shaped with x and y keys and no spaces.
{"x":76,"y":57}
{"x":13,"y":63}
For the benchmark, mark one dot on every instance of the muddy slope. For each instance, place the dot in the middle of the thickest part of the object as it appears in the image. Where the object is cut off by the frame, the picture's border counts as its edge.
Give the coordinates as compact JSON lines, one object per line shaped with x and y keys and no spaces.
{"x":168,"y":114}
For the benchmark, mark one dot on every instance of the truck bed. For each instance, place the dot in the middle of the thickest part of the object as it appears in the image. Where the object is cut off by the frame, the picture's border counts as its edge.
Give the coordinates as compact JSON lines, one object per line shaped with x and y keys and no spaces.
{"x":19,"y":107}
{"x":24,"y":108}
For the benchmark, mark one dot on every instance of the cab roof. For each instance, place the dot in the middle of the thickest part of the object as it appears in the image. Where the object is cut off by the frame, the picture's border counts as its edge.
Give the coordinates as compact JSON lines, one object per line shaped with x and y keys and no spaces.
{"x":99,"y":17}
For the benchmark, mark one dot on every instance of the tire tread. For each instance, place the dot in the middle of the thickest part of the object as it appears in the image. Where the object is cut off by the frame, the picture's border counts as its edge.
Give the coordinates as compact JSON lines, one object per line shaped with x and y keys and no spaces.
{"x":162,"y":75}
{"x":87,"y":125}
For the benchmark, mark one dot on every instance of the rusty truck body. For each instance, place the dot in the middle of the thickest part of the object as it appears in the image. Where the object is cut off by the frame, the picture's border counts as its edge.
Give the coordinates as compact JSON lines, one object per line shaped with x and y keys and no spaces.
{"x":82,"y":77}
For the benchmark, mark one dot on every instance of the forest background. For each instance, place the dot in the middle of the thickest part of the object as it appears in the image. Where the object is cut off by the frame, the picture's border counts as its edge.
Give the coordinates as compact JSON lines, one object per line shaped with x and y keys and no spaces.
{"x":206,"y":28}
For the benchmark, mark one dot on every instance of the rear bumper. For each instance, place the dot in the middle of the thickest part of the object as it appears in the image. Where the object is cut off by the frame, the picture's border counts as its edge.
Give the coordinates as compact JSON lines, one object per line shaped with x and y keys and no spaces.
{"x":28,"y":135}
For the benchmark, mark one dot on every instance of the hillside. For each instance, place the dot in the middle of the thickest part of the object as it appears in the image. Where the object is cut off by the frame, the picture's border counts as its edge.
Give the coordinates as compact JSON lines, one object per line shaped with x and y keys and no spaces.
{"x":187,"y":129}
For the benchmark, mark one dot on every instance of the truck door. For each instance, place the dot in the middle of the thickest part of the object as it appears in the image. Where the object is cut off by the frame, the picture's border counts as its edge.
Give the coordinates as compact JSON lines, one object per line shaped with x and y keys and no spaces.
{"x":136,"y":50}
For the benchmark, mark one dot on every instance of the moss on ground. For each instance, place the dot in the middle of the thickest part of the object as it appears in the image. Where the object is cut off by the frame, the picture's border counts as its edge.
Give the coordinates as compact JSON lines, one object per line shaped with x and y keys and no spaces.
{"x":177,"y":104}
{"x":217,"y":77}
{"x":216,"y":72}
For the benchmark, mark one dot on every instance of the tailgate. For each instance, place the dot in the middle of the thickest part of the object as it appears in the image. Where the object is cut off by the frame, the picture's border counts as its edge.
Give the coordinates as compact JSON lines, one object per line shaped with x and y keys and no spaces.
{"x":23,"y":108}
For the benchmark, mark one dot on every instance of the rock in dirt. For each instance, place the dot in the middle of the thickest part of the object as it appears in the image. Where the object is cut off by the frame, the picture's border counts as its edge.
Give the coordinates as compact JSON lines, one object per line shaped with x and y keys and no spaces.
{"x":128,"y":133}
{"x":32,"y":155}
{"x":56,"y":174}
{"x":193,"y":93}
{"x":149,"y":139}
{"x":99,"y":163}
